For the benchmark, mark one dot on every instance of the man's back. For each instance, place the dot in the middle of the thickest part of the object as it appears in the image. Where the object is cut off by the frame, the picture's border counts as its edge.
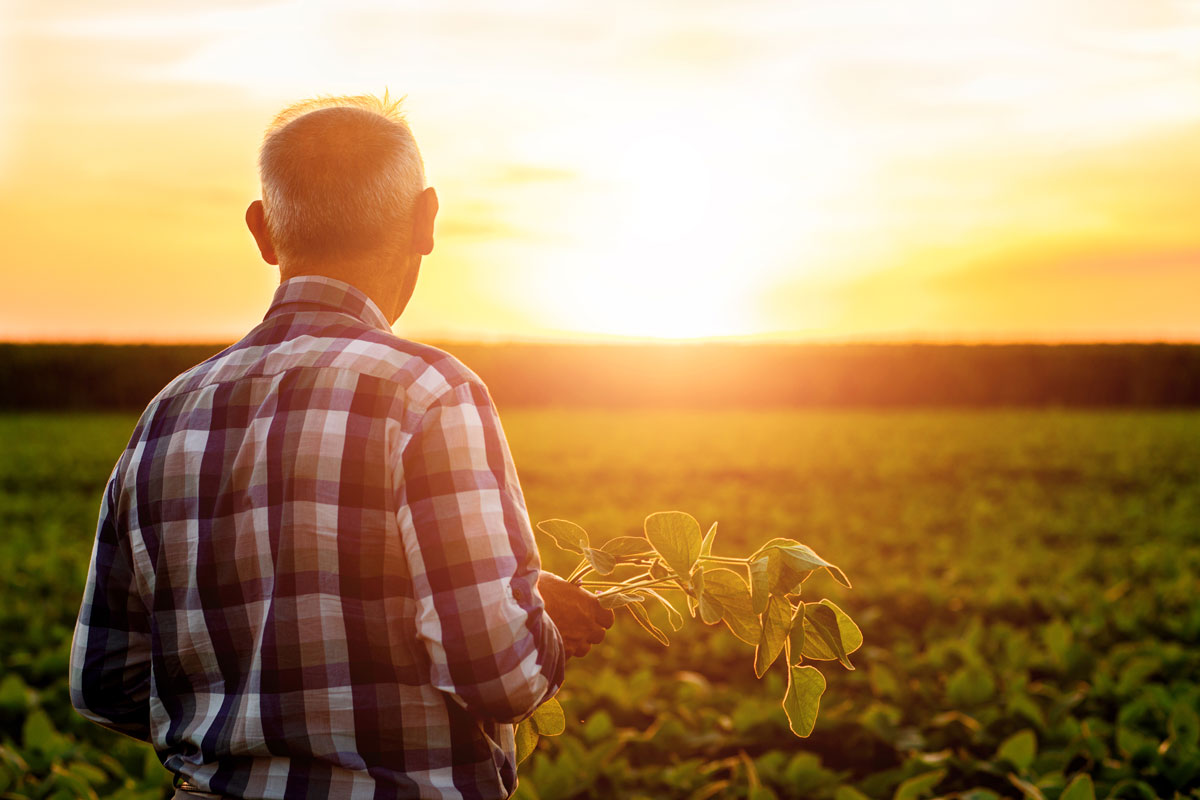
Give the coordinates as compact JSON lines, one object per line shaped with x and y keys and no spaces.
{"x":314,"y":574}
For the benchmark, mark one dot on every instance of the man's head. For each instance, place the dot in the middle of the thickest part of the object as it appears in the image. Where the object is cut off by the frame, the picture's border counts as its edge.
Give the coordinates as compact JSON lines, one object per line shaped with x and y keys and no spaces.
{"x":344,"y":194}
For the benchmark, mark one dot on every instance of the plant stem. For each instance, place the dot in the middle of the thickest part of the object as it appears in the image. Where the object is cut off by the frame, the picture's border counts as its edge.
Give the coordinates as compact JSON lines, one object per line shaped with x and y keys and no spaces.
{"x":636,"y":585}
{"x":725,"y":560}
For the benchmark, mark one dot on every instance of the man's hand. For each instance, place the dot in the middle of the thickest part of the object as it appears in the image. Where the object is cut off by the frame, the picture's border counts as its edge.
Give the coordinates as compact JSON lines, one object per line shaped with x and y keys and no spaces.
{"x":576,"y":613}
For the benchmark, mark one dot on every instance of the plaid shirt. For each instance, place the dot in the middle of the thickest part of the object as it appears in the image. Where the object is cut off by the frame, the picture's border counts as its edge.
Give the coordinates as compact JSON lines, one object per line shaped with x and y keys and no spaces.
{"x":314,"y":574}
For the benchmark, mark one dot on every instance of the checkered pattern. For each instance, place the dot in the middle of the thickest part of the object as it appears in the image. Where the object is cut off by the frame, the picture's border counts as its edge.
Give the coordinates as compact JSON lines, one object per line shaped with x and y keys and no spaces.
{"x":314,"y":574}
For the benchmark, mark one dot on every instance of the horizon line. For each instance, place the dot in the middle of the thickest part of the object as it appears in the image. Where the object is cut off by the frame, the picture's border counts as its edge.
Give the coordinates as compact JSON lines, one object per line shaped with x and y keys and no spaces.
{"x":743,"y":341}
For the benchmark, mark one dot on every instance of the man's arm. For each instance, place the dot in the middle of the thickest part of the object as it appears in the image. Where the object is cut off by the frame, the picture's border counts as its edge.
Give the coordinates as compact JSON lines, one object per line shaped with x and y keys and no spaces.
{"x":474,"y":563}
{"x":110,"y":653}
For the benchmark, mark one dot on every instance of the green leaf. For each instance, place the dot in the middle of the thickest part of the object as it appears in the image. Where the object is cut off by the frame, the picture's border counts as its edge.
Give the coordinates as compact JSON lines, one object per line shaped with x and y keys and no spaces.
{"x":38,"y":732}
{"x":849,"y":793}
{"x":918,"y":785}
{"x":69,"y":786}
{"x":618,"y":600}
{"x":710,"y":606}
{"x":673,"y":615}
{"x":838,"y":575}
{"x":88,"y":773}
{"x":772,"y":545}
{"x":760,"y":583}
{"x":801,"y":558}
{"x":851,"y":637}
{"x":12,"y":759}
{"x":1028,"y":790}
{"x":776,"y":621}
{"x":796,"y":635}
{"x":643,"y":618}
{"x":1019,"y":749}
{"x":822,"y":634}
{"x":692,"y":588}
{"x":526,"y":739}
{"x":675,"y":536}
{"x":567,"y":535}
{"x":549,"y":719}
{"x":706,"y":545}
{"x":711,"y":610}
{"x":803,"y":698}
{"x":970,"y":686}
{"x":1184,"y":726}
{"x":781,"y":577}
{"x":1134,"y":744}
{"x":602,"y":561}
{"x":730,"y":589}
{"x":599,"y":727}
{"x":1080,"y":788}
{"x":627,"y":546}
{"x":14,"y":694}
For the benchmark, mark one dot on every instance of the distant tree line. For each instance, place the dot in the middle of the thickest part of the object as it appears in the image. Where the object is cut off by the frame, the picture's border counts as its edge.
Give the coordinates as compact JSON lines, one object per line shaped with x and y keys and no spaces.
{"x":87,"y":376}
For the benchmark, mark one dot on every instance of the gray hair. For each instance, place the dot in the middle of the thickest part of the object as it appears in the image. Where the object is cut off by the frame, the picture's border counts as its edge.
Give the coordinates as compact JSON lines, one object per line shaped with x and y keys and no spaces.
{"x":340,"y":177}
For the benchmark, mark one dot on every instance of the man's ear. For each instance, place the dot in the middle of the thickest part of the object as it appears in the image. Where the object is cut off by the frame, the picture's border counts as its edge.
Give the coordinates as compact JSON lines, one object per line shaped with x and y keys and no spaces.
{"x":423,"y":214}
{"x":256,"y":221}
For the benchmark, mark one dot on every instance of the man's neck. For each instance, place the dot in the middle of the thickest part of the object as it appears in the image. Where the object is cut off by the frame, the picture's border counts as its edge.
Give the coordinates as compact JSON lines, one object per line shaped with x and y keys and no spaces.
{"x":371,"y":278}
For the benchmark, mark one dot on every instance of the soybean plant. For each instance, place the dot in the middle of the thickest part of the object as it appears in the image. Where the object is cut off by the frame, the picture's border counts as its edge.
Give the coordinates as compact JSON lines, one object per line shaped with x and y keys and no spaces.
{"x":757,"y":597}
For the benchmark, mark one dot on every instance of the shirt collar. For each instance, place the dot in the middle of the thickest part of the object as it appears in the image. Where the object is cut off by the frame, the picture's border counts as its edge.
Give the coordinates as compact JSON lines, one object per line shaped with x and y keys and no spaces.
{"x":318,"y":290}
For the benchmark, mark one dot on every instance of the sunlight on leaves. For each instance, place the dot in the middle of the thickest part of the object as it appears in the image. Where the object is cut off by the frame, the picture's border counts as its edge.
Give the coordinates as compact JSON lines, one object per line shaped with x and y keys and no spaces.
{"x":549,"y":719}
{"x":673,"y":616}
{"x":707,"y":544}
{"x":729,"y":588}
{"x":638,"y":610}
{"x":803,"y":699}
{"x":822,"y":634}
{"x":760,"y":583}
{"x":676,"y":537}
{"x":567,"y":535}
{"x":848,"y":634}
{"x":627,"y":546}
{"x":602,"y":561}
{"x":526,"y":739}
{"x":776,"y":621}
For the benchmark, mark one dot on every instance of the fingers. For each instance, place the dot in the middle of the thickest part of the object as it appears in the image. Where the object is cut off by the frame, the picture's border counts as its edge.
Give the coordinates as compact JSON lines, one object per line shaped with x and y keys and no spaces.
{"x":604,"y":616}
{"x":580,"y":618}
{"x":576,"y":649}
{"x":581,"y":639}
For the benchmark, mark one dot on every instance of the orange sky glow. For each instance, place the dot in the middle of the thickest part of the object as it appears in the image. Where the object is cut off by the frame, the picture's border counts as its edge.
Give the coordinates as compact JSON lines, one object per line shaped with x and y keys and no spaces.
{"x":758,"y":169}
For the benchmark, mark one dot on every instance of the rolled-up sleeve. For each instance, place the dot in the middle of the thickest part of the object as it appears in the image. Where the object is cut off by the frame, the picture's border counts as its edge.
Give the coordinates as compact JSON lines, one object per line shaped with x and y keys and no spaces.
{"x":474,"y":563}
{"x":111,"y":650}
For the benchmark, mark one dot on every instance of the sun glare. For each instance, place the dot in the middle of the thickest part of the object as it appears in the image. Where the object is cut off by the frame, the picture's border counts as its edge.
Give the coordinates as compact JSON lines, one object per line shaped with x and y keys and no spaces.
{"x":673,"y":233}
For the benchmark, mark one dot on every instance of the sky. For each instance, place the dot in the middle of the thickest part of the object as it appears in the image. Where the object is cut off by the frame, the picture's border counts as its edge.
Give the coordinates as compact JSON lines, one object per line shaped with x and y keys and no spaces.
{"x":853,"y":170}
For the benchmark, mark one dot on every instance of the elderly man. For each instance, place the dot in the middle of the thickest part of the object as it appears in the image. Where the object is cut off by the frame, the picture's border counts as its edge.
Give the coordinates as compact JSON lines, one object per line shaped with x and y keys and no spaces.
{"x":314,"y":574}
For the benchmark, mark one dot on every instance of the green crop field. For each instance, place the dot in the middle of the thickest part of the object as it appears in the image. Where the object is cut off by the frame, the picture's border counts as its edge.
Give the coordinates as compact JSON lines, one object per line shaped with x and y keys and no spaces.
{"x":1026,"y":583}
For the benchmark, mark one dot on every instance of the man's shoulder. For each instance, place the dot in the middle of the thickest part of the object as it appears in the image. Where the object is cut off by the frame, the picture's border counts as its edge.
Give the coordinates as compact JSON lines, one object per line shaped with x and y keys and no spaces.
{"x":436,"y":370}
{"x":421,"y":370}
